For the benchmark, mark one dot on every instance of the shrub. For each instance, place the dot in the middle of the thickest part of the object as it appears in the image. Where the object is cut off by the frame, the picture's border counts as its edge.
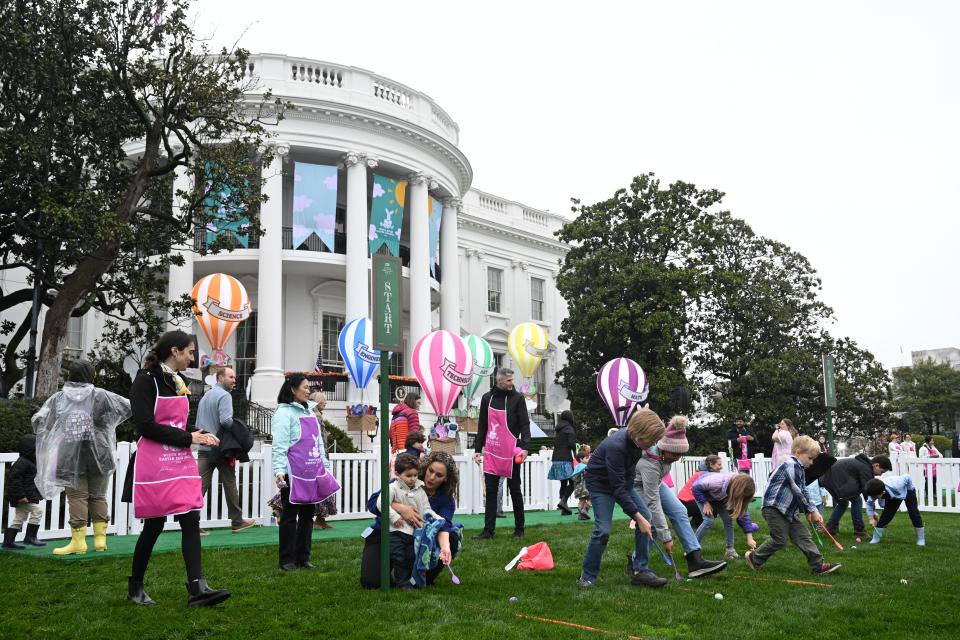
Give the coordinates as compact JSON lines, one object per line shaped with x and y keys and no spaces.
{"x":335,"y":435}
{"x":15,"y":421}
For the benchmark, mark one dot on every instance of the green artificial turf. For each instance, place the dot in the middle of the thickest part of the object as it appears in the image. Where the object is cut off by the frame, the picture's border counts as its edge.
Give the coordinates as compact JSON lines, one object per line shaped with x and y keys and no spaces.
{"x":47,"y":598}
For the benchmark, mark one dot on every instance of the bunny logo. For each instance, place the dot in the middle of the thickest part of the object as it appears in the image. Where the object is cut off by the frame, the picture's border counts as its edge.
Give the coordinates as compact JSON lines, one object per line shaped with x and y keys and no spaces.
{"x":315,"y":451}
{"x":388,"y":221}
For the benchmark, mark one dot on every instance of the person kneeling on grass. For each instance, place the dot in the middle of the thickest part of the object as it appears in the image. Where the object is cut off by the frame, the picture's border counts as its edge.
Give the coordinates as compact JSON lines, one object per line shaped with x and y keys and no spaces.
{"x":609,"y":479}
{"x":663,"y":503}
{"x":408,"y":490}
{"x":782,"y":501}
{"x":893,"y":490}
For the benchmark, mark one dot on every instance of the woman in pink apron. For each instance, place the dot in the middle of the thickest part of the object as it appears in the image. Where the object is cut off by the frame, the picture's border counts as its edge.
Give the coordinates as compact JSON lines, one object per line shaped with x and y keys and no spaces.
{"x":503,"y":427}
{"x":302,"y":470}
{"x":163,"y":479}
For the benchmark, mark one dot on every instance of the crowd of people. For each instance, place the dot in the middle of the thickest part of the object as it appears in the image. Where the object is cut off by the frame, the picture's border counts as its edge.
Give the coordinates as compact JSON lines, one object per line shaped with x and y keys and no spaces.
{"x":74,"y":440}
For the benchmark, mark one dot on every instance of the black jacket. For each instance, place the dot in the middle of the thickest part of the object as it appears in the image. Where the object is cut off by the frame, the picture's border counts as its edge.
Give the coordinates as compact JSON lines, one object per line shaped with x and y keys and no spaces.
{"x":23,"y":472}
{"x":848,"y":477}
{"x":733,"y":442}
{"x":565,"y":446}
{"x":235,"y":443}
{"x":143,"y":397}
{"x":612,"y":469}
{"x":518,"y":422}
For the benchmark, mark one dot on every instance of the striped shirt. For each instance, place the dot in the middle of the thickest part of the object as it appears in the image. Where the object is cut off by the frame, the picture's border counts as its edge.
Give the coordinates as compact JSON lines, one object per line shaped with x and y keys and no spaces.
{"x":785,"y":490}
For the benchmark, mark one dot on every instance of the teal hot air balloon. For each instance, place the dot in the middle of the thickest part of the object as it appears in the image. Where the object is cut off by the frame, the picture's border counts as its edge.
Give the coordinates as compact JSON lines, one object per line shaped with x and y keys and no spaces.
{"x":482,"y":365}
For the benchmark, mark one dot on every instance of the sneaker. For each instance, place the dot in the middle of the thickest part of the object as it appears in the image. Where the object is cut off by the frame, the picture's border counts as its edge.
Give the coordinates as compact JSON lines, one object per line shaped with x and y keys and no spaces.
{"x":204,"y":532}
{"x":647,"y":579}
{"x":483,"y":535}
{"x":564,"y":510}
{"x":586,"y":584}
{"x":244,"y":525}
{"x":583,"y":516}
{"x":825,"y":568}
{"x":748,"y":556}
{"x":860,"y":534}
{"x":731,"y":554}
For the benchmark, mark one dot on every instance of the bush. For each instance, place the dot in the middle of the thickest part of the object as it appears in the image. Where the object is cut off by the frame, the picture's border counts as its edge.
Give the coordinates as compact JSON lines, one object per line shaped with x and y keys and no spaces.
{"x":343,"y":442}
{"x":942,"y":443}
{"x":15,"y":421}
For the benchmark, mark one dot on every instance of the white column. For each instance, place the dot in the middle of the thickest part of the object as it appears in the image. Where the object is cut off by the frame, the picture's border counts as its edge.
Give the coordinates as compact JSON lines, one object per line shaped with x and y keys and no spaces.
{"x":357,"y":302}
{"x":268,"y":376}
{"x":450,"y":267}
{"x":419,"y":260}
{"x":180,"y":278}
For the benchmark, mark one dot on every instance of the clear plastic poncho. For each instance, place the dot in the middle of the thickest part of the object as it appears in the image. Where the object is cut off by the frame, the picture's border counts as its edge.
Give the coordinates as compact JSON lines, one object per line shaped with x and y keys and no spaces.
{"x":77,"y":435}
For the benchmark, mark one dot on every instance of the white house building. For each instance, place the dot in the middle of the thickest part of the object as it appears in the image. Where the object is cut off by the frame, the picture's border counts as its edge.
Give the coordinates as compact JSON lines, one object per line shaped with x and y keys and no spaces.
{"x":498,"y":259}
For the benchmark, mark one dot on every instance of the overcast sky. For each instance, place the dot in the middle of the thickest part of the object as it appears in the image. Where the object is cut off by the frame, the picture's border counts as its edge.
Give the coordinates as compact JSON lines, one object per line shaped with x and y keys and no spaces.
{"x":831,"y":126}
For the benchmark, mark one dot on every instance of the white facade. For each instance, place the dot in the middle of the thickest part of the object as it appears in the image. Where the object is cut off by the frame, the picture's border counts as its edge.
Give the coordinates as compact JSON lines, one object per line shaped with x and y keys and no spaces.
{"x":946,"y":355}
{"x":363,"y":123}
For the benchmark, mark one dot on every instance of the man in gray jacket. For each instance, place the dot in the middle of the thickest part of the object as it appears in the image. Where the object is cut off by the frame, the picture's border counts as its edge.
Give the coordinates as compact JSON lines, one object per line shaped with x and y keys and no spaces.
{"x":653,"y":465}
{"x":215,"y":412}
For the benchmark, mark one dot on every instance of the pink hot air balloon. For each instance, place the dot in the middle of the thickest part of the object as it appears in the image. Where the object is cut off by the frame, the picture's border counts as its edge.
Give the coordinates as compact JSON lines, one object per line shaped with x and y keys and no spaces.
{"x":622,"y":385}
{"x":443,"y":363}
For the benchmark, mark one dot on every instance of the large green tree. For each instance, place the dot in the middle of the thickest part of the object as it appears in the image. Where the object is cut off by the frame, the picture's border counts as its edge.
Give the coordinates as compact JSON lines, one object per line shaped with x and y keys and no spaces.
{"x":628,"y":279}
{"x":928,"y":394}
{"x":101,"y":103}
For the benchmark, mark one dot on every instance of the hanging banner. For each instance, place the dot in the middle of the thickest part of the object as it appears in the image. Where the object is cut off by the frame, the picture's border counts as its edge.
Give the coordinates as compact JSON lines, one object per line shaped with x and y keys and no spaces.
{"x":314,"y":203}
{"x":223,"y":220}
{"x":386,"y":213}
{"x":436,"y":215}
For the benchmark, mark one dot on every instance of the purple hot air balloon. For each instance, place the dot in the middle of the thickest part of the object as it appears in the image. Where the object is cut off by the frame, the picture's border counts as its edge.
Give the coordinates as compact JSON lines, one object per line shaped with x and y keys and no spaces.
{"x":622,"y":385}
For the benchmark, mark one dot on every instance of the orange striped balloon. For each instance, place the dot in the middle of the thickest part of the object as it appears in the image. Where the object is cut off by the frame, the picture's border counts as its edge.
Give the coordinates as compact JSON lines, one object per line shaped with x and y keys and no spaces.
{"x":220,"y":304}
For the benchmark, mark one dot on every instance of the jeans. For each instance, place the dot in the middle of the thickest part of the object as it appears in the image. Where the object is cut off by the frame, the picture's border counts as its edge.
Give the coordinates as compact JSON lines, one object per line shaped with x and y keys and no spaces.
{"x":603,"y":504}
{"x":719,"y":511}
{"x":856,"y":511}
{"x":676,"y":513}
{"x":401,"y":558}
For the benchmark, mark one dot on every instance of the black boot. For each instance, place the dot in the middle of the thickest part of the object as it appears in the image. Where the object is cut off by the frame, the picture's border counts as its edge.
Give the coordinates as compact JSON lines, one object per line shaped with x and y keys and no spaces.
{"x":201,"y":595}
{"x":135,"y":592}
{"x":564,"y":510}
{"x":31,"y":537}
{"x":697,"y":566}
{"x":9,"y":539}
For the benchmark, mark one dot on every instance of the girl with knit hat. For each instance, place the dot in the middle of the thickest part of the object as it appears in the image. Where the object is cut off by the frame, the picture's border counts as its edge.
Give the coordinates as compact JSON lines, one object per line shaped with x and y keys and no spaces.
{"x":653,"y":465}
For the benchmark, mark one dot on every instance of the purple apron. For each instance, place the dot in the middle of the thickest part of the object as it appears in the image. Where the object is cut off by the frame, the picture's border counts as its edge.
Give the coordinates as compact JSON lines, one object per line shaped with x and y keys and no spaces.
{"x":310,"y":481}
{"x":166,"y":480}
{"x":499,"y":446}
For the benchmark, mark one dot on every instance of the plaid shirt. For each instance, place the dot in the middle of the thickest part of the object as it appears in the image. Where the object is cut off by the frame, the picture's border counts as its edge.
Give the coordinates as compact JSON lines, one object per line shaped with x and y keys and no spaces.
{"x":785,"y":491}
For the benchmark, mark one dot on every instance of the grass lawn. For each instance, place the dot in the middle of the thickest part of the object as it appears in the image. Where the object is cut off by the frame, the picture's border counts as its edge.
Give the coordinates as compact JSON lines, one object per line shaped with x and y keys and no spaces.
{"x":48,"y":598}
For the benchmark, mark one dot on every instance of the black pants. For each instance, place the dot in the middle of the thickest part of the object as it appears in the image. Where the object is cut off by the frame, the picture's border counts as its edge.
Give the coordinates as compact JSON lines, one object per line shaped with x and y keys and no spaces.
{"x":401,"y":558}
{"x":491,"y":507}
{"x":370,"y":561}
{"x":892,"y":505}
{"x":189,"y":545}
{"x":296,"y":529}
{"x":566,"y":489}
{"x":694,"y":513}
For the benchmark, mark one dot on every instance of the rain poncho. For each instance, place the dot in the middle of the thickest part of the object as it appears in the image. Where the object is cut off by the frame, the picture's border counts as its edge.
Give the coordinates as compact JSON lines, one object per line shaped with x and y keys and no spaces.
{"x":77,"y":435}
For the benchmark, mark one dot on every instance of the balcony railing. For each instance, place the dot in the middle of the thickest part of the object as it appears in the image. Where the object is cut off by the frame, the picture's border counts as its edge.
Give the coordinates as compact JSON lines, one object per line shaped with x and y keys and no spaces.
{"x":334,"y":386}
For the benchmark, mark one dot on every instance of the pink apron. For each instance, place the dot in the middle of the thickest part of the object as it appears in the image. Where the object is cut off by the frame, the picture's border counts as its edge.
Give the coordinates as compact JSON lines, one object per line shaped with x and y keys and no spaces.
{"x":310,"y":482}
{"x":166,"y":480}
{"x":498,"y":449}
{"x":744,"y":463}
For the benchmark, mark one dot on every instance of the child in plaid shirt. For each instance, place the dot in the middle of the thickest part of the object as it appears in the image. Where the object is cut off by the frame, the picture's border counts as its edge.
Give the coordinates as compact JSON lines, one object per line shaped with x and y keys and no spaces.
{"x":784,"y":498}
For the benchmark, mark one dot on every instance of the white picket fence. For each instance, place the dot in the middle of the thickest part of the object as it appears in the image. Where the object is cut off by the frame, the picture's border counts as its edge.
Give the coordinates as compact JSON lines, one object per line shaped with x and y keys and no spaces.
{"x":359,"y":475}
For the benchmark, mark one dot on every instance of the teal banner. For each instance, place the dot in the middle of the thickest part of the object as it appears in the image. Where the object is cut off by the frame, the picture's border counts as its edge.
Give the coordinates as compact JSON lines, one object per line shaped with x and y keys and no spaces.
{"x":386,"y":213}
{"x":314,"y":203}
{"x":436,"y":217}
{"x":224,"y":221}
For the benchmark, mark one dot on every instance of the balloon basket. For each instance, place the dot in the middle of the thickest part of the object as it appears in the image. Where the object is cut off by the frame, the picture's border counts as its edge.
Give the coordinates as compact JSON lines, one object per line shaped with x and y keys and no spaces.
{"x":468,"y":425}
{"x":445,"y":445}
{"x":362,"y":423}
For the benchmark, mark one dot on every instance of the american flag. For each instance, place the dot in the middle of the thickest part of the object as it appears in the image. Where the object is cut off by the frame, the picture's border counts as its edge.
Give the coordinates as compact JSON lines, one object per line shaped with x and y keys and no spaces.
{"x":319,"y":366}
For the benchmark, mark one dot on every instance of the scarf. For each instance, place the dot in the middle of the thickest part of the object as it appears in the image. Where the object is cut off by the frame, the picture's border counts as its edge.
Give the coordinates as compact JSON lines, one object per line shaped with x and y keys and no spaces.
{"x":178,"y":383}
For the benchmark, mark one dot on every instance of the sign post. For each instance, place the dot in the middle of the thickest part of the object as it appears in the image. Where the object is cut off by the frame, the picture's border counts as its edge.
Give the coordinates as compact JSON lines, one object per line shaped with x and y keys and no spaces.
{"x":829,"y":398}
{"x":386,"y":338}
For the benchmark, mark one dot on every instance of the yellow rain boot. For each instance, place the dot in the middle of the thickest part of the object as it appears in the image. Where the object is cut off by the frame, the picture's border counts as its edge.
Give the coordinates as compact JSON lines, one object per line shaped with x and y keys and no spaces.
{"x":99,"y":536}
{"x":78,"y":543}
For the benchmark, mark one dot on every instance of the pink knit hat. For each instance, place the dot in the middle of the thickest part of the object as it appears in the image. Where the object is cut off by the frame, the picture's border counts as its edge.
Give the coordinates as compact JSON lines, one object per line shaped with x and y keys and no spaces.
{"x":675,"y":438}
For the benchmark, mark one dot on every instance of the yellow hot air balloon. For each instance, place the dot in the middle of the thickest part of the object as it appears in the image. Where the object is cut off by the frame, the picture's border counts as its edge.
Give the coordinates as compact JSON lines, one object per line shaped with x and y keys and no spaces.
{"x":528,"y":344}
{"x":221,"y":304}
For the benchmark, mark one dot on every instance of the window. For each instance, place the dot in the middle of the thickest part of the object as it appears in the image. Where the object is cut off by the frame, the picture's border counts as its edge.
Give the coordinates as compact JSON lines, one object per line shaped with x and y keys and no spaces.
{"x":246,"y":360}
{"x":536,"y":298}
{"x":396,"y":363}
{"x":330,"y":334}
{"x":540,"y":379}
{"x":73,"y":340}
{"x":497,"y":363}
{"x":494,"y":289}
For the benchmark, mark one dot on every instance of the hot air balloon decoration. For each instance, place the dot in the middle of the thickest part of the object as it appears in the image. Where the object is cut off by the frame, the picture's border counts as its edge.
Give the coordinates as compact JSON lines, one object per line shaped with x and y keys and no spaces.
{"x":622,"y":385}
{"x":220,"y":304}
{"x":528,"y":344}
